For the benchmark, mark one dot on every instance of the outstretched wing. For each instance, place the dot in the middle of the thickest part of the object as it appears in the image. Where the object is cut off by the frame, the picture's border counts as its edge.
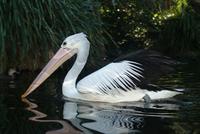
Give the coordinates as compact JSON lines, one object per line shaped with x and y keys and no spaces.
{"x":112,"y":78}
{"x":137,"y":69}
{"x":153,"y":63}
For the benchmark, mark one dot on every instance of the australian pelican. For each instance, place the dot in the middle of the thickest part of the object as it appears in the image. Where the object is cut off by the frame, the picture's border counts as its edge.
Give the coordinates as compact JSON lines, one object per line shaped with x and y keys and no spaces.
{"x":125,"y":79}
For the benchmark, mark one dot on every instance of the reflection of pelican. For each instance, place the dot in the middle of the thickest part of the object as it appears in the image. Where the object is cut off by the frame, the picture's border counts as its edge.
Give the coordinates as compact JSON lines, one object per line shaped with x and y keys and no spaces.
{"x":114,"y":119}
{"x":66,"y":128}
{"x":123,"y":80}
{"x":111,"y":122}
{"x":118,"y":118}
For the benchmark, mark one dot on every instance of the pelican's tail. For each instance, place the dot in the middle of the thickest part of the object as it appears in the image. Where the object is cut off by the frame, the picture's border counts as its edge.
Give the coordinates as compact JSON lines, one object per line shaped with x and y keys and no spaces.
{"x":161,"y":92}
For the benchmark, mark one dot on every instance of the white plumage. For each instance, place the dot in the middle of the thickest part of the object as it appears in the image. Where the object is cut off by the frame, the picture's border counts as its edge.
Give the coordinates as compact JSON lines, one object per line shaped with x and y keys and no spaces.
{"x":110,"y":78}
{"x":113,"y":83}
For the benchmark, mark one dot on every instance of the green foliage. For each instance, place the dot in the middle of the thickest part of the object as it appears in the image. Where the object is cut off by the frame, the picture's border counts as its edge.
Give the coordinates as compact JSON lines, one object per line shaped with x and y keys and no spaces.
{"x":171,"y":26}
{"x":180,"y":32}
{"x":31,"y":30}
{"x":128,"y":20}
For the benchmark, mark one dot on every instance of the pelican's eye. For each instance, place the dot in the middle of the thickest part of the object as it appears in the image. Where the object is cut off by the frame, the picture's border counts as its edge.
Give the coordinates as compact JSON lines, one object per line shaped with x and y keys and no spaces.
{"x":64,"y":43}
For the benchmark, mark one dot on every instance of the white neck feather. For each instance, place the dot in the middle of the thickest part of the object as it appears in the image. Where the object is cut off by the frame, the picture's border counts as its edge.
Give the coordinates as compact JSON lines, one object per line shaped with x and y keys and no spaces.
{"x":69,"y":84}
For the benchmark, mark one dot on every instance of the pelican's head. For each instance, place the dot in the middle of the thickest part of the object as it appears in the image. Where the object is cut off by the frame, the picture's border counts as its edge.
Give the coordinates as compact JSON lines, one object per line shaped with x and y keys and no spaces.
{"x":75,"y":41}
{"x":70,"y":46}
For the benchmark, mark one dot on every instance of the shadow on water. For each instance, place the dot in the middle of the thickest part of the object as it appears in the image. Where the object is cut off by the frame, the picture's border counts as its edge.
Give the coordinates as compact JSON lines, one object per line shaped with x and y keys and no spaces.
{"x":46,"y":112}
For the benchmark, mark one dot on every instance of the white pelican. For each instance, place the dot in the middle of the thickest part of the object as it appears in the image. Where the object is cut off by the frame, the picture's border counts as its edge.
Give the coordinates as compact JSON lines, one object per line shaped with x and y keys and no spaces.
{"x":123,"y":80}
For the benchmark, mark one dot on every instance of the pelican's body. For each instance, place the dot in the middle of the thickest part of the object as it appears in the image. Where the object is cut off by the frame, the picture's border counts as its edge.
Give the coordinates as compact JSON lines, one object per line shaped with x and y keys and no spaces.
{"x":118,"y":81}
{"x":134,"y":95}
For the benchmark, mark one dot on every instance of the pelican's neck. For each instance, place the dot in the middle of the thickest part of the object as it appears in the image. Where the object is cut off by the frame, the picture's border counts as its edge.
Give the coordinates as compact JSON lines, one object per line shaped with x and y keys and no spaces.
{"x":69,"y":83}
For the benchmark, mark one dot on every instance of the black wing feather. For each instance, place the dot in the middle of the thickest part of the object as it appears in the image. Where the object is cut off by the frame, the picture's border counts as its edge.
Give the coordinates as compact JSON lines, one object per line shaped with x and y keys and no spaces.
{"x":153,"y":63}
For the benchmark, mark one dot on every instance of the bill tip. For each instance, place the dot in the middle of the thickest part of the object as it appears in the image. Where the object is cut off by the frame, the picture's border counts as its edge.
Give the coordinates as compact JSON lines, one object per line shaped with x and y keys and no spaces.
{"x":23,"y":96}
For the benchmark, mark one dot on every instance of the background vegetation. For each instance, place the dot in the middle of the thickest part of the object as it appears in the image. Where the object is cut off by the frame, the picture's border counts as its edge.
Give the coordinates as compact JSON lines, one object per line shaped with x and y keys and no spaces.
{"x":31,"y":31}
{"x":170,"y":26}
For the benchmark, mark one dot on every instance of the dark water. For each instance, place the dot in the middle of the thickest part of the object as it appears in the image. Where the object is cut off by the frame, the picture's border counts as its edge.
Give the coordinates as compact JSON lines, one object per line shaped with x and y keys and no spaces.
{"x":46,"y":112}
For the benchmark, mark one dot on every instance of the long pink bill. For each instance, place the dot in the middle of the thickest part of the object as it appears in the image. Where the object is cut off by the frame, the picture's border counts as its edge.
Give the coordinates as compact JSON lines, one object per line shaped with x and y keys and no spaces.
{"x":58,"y":59}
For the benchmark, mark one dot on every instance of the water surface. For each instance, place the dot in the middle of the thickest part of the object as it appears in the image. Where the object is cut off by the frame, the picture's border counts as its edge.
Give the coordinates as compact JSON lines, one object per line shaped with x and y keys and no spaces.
{"x":45,"y":111}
